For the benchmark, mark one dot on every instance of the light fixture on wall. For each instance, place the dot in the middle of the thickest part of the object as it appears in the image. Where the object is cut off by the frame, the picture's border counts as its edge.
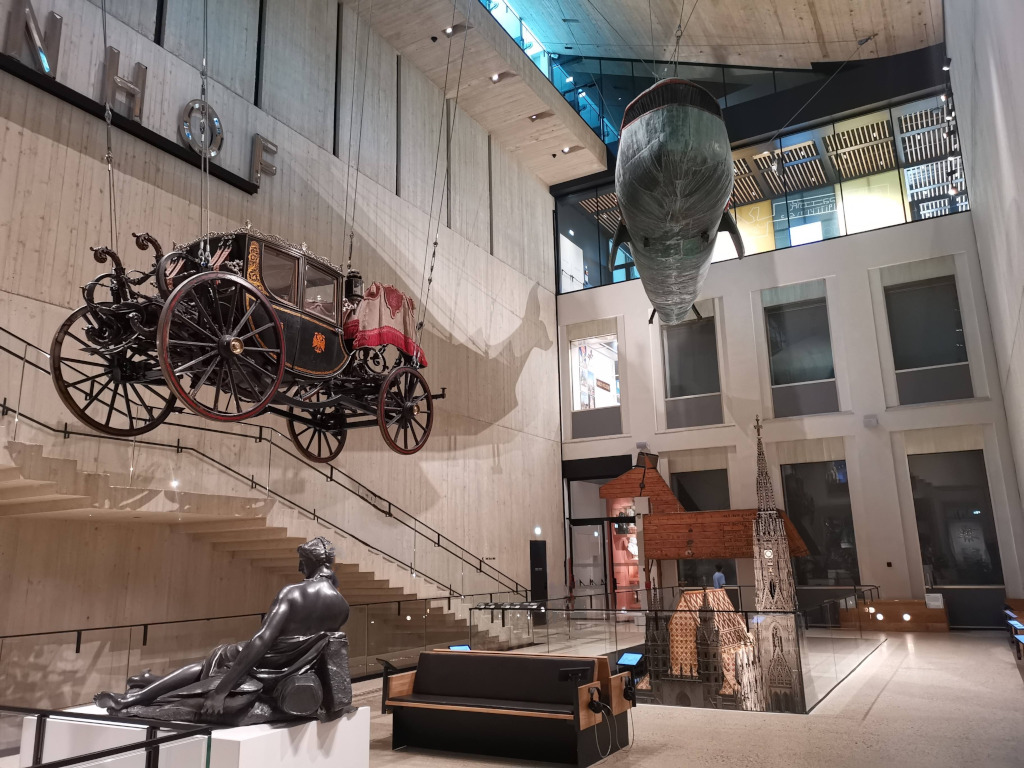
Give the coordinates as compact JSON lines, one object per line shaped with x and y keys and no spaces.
{"x":449,"y":31}
{"x":534,"y":117}
{"x":906,"y":617}
{"x":947,"y":64}
{"x":565,"y":150}
{"x":879,"y":616}
{"x":871,"y":609}
{"x":495,"y":77}
{"x":174,"y":483}
{"x":536,"y":531}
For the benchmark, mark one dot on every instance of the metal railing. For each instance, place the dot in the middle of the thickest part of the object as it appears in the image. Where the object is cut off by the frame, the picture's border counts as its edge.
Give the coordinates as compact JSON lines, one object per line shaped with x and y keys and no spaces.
{"x":331,"y":474}
{"x":150,"y":746}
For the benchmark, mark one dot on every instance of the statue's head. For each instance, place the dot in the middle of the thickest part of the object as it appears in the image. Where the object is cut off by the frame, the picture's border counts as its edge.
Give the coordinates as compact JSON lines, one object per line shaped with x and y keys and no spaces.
{"x":315,"y":556}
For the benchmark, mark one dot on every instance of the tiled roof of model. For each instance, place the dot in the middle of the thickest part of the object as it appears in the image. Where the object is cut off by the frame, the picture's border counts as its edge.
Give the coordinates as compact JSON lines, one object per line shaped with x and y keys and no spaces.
{"x":683,"y":635}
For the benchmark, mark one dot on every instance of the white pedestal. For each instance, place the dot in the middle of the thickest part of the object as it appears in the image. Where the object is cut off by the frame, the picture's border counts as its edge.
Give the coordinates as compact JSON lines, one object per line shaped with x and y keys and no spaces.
{"x":341,"y":743}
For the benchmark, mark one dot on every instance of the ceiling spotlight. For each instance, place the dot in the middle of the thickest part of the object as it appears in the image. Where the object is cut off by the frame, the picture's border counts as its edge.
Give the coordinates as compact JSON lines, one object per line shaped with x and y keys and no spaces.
{"x":943,"y":96}
{"x":449,"y":31}
{"x":906,"y":617}
{"x":571,"y":233}
{"x":534,"y":117}
{"x":949,"y":117}
{"x":946,"y":64}
{"x":565,"y":150}
{"x":879,"y":616}
{"x":568,"y":79}
{"x":952,"y":190}
{"x":976,"y":512}
{"x":495,"y":77}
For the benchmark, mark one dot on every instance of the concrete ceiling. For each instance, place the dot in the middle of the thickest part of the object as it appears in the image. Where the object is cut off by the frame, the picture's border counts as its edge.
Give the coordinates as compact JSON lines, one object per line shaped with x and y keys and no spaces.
{"x":765,"y":33}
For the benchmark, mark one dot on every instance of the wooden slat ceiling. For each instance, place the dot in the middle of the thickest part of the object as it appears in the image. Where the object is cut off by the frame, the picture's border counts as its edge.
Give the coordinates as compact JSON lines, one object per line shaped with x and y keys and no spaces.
{"x":503,"y":109}
{"x":760,"y":33}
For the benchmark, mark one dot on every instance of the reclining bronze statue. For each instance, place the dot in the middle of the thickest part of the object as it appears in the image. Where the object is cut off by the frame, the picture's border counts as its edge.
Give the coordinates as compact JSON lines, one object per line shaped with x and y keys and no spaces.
{"x":295,"y":667}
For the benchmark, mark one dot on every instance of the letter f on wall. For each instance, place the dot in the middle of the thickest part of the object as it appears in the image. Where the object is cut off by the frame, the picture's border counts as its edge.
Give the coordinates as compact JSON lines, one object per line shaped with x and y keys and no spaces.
{"x":22,"y":27}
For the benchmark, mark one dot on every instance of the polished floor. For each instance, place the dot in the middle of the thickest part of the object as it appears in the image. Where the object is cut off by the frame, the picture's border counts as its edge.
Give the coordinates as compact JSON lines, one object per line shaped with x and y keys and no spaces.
{"x":928,"y":700}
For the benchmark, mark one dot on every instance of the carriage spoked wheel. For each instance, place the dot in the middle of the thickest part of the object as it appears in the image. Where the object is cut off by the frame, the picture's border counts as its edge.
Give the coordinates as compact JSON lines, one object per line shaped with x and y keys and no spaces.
{"x":405,"y":412}
{"x":323,"y":439}
{"x":221,"y":346}
{"x":117,"y":393}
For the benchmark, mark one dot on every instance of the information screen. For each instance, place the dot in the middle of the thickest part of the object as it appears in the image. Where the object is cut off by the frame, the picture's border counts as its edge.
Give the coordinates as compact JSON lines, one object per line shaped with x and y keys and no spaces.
{"x":458,"y":647}
{"x":629,"y":659}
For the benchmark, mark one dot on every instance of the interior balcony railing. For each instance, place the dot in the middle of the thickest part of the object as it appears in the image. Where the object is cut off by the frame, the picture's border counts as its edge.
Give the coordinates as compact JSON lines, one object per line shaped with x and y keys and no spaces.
{"x":243,"y":460}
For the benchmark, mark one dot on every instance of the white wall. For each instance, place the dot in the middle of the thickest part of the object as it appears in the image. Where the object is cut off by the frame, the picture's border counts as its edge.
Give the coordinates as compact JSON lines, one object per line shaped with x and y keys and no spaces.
{"x":983,"y":40}
{"x":490,"y":472}
{"x":879,"y":478}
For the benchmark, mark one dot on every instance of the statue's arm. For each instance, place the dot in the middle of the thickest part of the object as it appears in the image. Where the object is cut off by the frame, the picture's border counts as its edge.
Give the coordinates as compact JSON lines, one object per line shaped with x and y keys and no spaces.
{"x":250,"y":656}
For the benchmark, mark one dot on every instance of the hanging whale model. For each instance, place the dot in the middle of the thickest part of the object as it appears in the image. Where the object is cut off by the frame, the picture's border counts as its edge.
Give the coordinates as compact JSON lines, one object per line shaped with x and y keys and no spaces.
{"x":673,"y":179}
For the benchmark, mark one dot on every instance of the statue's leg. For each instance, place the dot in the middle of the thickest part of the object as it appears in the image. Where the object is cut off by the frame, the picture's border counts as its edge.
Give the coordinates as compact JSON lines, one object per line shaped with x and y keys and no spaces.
{"x":168,"y":684}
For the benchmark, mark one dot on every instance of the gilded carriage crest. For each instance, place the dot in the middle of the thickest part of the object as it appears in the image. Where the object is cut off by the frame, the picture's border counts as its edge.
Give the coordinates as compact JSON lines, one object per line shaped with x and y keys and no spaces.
{"x":319,"y":342}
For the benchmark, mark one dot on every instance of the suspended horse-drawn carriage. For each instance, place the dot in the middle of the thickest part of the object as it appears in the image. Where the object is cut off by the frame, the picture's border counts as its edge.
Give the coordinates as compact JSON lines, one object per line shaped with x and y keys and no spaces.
{"x":242,"y":324}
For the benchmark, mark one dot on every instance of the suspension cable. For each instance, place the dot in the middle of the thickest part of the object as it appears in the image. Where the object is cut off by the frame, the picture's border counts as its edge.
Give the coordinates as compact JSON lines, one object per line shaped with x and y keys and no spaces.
{"x":680,"y":29}
{"x":204,"y":135}
{"x":108,"y":114}
{"x":429,"y":276}
{"x":359,"y":141}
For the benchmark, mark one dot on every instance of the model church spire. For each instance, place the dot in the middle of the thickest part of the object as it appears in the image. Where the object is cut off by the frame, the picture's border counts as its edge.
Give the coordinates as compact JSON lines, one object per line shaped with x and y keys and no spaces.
{"x":773,"y":569}
{"x":765,"y":494}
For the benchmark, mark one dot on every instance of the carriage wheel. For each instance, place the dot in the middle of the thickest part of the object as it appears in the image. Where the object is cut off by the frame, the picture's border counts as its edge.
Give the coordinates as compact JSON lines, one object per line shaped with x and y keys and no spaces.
{"x":323,"y":440}
{"x":405,"y":412}
{"x":116,"y":393}
{"x":221,"y":347}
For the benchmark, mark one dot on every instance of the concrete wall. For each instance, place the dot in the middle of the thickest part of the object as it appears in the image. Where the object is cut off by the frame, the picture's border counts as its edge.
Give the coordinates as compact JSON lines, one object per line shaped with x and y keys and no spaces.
{"x":882,"y":501}
{"x":983,"y":40}
{"x":490,"y":472}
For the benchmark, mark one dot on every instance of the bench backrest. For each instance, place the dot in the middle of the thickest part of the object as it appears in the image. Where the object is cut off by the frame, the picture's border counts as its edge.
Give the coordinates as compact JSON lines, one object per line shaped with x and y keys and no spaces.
{"x":496,"y":676}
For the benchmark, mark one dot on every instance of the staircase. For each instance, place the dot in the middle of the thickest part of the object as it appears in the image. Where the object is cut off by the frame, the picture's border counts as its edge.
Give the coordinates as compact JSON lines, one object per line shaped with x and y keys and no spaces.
{"x":403,"y":613}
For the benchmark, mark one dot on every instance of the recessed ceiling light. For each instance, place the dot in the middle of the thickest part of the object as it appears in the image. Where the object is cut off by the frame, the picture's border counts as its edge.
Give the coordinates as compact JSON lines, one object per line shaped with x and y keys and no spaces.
{"x":571,"y":233}
{"x":495,"y":77}
{"x":565,"y":150}
{"x":534,"y":117}
{"x":568,"y":79}
{"x":449,"y":31}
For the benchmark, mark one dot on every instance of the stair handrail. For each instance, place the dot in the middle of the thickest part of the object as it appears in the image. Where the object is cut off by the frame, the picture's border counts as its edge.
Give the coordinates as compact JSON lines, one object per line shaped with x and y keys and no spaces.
{"x":395,"y":605}
{"x":437,"y":539}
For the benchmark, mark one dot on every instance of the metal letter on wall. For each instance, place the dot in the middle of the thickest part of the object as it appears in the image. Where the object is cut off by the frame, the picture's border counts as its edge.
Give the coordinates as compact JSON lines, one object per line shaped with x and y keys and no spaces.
{"x":193,"y":111}
{"x":23,"y":26}
{"x":134,"y":89}
{"x":261,"y":146}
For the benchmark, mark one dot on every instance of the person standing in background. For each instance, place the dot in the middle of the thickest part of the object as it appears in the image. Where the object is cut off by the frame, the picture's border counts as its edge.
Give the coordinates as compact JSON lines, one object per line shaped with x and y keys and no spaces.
{"x":719,"y":577}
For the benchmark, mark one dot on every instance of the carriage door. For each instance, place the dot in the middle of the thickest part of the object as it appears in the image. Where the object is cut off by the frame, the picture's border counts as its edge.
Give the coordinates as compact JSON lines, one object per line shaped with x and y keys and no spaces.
{"x":320,"y":351}
{"x":280,"y":272}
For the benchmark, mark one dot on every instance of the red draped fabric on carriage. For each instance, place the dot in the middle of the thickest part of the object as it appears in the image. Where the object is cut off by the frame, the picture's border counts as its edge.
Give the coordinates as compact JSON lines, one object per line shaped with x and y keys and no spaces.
{"x":385,"y":316}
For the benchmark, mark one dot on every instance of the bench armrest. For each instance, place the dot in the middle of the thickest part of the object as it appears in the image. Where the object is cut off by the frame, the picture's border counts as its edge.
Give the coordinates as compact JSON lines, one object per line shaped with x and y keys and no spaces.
{"x":618,"y":701}
{"x":587,"y":718}
{"x":401,"y":685}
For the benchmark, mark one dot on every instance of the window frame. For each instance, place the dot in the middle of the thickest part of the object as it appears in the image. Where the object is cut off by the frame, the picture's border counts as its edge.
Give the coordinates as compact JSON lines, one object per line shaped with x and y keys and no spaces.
{"x":308,"y":265}
{"x":296,"y":265}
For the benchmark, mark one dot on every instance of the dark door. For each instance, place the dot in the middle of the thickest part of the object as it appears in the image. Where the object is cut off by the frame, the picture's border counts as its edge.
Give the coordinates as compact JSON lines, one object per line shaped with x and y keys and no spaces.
{"x":539,"y":576}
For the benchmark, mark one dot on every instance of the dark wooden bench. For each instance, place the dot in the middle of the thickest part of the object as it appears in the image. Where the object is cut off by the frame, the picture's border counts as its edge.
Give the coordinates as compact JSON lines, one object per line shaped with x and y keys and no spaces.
{"x":519,"y":706}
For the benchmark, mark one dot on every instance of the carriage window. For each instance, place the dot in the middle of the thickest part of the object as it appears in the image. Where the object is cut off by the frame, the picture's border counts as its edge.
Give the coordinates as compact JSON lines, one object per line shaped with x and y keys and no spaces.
{"x":321,"y":289}
{"x":279,"y":274}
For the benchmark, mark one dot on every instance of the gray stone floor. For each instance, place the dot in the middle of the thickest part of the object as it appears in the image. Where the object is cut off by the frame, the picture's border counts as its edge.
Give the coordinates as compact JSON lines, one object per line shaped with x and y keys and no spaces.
{"x":929,"y":700}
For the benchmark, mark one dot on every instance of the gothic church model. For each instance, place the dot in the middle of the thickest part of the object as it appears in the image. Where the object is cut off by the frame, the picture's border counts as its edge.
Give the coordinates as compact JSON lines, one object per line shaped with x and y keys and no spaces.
{"x":704,"y":654}
{"x":775,"y":591}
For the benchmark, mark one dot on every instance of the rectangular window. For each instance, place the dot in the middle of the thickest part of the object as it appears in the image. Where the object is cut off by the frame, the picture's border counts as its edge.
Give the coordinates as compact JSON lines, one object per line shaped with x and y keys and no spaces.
{"x":700,"y":491}
{"x":280,"y":273}
{"x":594,"y":371}
{"x":692,"y":386}
{"x":817,"y":500}
{"x":691,"y":358}
{"x":954,"y":519}
{"x":321,"y":290}
{"x":800,"y":349}
{"x":927,"y":334}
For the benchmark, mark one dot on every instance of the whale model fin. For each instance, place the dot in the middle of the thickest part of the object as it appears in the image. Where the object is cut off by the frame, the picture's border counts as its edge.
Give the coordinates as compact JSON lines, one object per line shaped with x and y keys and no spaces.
{"x":728,"y":225}
{"x":622,"y":237}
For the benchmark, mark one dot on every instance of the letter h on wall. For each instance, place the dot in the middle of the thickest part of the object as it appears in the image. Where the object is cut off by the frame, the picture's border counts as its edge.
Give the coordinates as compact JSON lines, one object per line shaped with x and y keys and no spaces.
{"x":134,"y":90}
{"x":22,"y":27}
